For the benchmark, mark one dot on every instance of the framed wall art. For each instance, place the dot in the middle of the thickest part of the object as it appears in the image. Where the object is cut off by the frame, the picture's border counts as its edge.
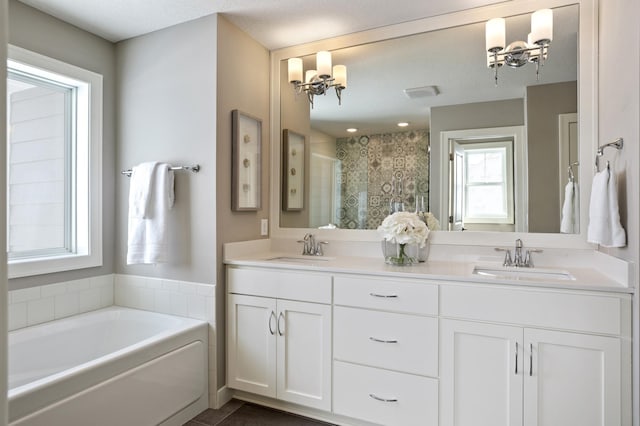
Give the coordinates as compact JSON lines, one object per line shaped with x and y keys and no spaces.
{"x":293,"y":150}
{"x":246,"y":181}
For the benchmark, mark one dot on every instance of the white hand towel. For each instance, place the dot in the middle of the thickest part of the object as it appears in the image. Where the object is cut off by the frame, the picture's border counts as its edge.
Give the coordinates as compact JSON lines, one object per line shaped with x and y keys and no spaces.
{"x":568,"y":215}
{"x":140,"y":189}
{"x":618,"y":236}
{"x":604,"y":218}
{"x":147,"y":241}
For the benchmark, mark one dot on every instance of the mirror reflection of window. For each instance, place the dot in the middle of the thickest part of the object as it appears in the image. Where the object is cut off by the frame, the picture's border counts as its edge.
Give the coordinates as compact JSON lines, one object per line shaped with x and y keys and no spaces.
{"x":488,"y":186}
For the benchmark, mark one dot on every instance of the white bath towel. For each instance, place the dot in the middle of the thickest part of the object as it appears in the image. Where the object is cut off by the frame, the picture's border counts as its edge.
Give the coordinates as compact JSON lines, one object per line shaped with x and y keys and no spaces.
{"x":604,"y":216}
{"x":147,"y":242}
{"x":570,"y":223}
{"x":139,"y":188}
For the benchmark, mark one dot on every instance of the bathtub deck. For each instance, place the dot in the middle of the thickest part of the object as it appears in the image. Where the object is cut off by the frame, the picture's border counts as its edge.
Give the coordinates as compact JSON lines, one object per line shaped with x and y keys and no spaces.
{"x":235,"y":413}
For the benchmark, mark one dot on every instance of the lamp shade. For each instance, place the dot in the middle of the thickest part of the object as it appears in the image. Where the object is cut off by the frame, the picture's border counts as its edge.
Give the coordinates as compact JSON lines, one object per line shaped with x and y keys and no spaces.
{"x":495,"y":34}
{"x":340,"y":75}
{"x":323,"y":64}
{"x":295,"y":70}
{"x":309,"y":76}
{"x":542,"y":26}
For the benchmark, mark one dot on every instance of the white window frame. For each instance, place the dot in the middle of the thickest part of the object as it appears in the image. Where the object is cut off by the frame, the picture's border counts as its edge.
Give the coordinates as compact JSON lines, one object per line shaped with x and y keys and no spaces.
{"x":88,"y":241}
{"x":507,"y":184}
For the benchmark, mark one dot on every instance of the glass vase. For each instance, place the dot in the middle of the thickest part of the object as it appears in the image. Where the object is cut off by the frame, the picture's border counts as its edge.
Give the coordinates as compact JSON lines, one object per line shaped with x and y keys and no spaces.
{"x":398,"y":254}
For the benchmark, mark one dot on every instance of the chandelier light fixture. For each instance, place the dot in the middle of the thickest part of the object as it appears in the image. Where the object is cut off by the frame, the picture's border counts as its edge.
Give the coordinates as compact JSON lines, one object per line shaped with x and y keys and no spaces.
{"x":320,"y":80}
{"x":519,"y":53}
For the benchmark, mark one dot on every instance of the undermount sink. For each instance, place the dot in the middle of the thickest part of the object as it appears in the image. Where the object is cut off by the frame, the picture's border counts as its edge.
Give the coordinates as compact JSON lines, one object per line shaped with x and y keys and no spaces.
{"x":301,"y":259}
{"x":522,"y":273}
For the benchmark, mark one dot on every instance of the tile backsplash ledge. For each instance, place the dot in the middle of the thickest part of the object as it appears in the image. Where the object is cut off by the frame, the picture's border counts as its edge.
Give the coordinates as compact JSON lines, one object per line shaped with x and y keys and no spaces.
{"x":185,"y":299}
{"x":35,"y":305}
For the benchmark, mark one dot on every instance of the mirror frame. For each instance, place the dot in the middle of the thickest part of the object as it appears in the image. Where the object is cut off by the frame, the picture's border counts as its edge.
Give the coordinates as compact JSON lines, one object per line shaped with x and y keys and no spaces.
{"x":587,"y":127}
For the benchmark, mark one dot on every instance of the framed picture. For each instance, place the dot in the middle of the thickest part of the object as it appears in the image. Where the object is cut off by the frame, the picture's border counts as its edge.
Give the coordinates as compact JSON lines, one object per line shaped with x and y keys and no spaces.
{"x":293,"y":147}
{"x":246,"y":160}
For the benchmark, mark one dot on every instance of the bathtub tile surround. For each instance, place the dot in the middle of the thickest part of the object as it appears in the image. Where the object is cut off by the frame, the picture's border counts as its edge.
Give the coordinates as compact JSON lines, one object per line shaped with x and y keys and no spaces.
{"x":185,"y":299}
{"x":35,"y":305}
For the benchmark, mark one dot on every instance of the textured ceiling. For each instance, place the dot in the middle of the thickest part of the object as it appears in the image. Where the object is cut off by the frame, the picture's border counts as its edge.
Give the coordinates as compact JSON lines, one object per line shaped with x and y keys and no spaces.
{"x":273,"y":23}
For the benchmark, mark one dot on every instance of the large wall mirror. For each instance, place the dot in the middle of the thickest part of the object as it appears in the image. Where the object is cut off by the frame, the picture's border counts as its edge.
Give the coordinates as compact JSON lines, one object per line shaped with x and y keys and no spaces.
{"x":505,"y":152}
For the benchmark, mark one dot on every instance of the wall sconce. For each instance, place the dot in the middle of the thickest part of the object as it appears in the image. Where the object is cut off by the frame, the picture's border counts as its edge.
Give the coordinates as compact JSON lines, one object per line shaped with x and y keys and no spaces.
{"x":320,"y":80}
{"x":519,"y":53}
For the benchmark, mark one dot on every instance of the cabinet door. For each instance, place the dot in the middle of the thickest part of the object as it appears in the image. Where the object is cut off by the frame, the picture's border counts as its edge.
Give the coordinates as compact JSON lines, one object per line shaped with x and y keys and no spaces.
{"x":480,"y":374}
{"x":304,"y":353}
{"x":251,"y":344}
{"x":571,"y":379}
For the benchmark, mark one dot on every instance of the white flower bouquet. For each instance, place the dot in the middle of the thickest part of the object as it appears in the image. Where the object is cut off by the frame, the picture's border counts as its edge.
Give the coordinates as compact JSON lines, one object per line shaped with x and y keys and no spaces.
{"x":403,"y":228}
{"x":432,"y":222}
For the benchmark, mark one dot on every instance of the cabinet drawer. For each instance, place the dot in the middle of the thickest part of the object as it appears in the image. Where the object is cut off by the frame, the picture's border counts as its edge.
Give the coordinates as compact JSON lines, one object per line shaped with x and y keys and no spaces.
{"x":302,"y":286}
{"x":553,"y":309}
{"x":386,"y":294}
{"x":411,"y":400}
{"x":400,"y":342}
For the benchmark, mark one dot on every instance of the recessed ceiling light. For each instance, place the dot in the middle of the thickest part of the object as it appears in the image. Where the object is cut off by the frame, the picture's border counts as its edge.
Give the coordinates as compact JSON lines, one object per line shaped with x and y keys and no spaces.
{"x":403,"y":124}
{"x":352,"y":130}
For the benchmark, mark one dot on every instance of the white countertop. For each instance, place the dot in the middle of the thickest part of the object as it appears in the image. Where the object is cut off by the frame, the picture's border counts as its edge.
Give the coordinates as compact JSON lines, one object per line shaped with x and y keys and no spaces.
{"x":434,"y":270}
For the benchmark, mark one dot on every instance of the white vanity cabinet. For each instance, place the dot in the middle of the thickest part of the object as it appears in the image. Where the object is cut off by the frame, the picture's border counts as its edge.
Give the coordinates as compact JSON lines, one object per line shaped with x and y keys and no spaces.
{"x":386,"y":350}
{"x":279,"y":335}
{"x":523,"y":374}
{"x":377,"y":349}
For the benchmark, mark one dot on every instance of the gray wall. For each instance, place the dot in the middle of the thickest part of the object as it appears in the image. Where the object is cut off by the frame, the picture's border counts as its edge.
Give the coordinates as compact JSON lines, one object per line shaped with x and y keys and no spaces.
{"x":619,"y":116}
{"x":41,"y":33}
{"x":544,"y":103}
{"x":3,"y":233}
{"x":167,"y":112}
{"x":243,"y":84}
{"x":461,"y":117}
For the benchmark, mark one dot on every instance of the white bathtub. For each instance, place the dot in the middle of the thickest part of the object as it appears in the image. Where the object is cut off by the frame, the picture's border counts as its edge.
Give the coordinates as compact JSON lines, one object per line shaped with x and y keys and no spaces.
{"x":114,"y":366}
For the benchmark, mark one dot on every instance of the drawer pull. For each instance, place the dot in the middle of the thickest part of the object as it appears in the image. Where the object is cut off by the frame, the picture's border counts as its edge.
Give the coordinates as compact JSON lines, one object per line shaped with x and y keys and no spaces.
{"x":516,"y":358}
{"x":377,"y":398}
{"x":384,"y":296}
{"x":373,"y":339}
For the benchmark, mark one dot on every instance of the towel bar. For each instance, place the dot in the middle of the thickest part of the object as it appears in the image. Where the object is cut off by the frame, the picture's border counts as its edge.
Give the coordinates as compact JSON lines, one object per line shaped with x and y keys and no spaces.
{"x":195,"y":169}
{"x":617,"y":144}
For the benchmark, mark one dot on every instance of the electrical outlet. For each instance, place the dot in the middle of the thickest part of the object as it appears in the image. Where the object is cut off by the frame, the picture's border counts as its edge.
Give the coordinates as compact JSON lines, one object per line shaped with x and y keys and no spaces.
{"x":264,"y":227}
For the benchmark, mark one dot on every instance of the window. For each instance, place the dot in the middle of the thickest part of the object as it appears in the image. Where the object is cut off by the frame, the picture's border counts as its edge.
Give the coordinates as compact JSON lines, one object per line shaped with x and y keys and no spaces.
{"x":54,"y":122}
{"x":488,"y":186}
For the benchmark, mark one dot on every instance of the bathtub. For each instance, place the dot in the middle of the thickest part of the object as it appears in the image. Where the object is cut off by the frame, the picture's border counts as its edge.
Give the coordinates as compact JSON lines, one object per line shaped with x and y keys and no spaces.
{"x":114,"y":366}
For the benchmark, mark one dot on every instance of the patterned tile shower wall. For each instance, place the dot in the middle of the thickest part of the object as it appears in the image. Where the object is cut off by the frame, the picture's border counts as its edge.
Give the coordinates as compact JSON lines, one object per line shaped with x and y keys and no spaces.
{"x":368,"y":165}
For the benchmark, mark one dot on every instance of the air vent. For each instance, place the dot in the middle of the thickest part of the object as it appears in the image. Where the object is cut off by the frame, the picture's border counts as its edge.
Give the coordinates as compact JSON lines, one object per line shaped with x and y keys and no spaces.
{"x":421,"y":92}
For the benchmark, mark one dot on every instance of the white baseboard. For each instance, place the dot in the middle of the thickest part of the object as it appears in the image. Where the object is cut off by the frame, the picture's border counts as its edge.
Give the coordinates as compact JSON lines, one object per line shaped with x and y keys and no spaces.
{"x":224,"y":395}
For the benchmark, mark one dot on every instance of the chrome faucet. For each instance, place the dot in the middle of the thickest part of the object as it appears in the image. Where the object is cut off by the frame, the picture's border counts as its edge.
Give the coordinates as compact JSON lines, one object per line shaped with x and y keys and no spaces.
{"x":311,"y":247}
{"x":518,"y":260}
{"x":517,"y":254}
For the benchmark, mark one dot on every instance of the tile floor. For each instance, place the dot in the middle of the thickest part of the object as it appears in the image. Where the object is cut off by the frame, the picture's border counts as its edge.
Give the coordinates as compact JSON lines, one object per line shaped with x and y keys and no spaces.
{"x":239,"y":413}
